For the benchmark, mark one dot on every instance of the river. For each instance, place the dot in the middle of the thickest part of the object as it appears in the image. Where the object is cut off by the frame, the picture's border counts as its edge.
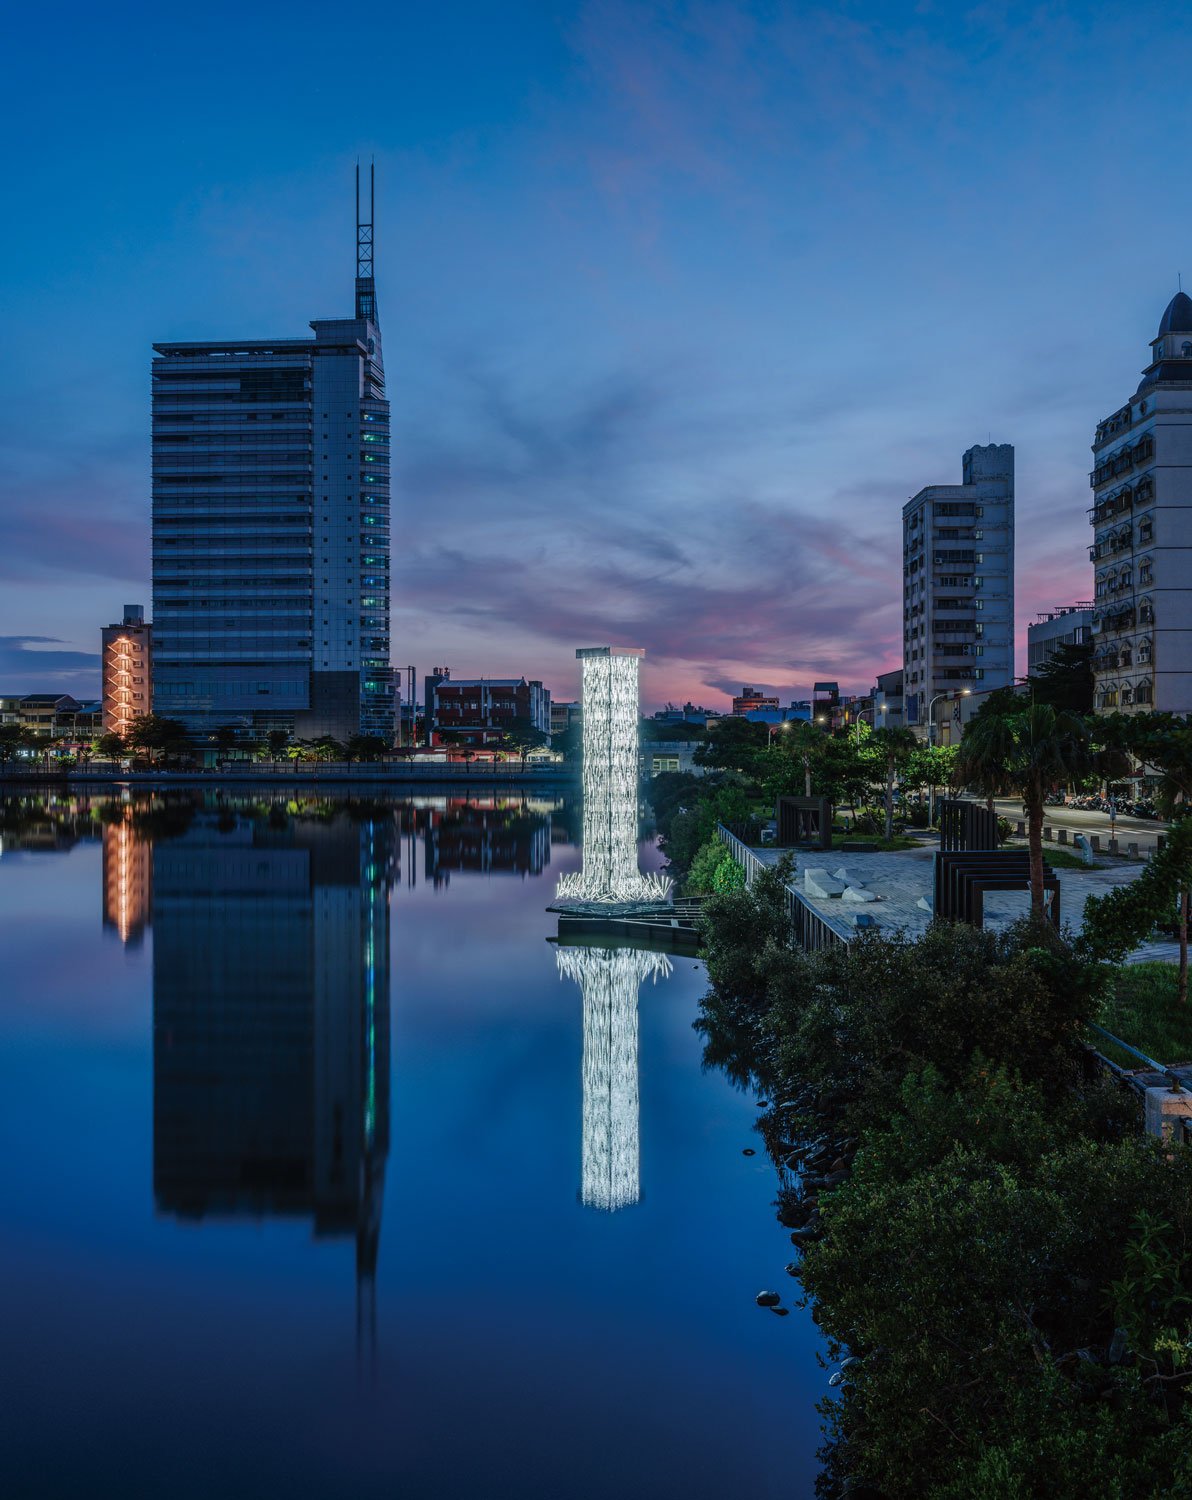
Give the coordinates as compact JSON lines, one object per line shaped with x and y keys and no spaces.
{"x":325,"y":1176}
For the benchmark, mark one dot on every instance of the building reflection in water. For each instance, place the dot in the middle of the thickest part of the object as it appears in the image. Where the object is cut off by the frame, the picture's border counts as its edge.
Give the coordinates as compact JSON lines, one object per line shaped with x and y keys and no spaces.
{"x":609,"y":979}
{"x":127,"y":880}
{"x":485,"y":835}
{"x":271,"y":1024}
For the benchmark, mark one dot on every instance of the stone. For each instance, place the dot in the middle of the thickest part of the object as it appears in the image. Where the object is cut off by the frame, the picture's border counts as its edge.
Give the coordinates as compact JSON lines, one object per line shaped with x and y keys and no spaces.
{"x":792,"y":1268}
{"x":834,"y":1179}
{"x":817,"y":882}
{"x":1162,"y":1108}
{"x":857,"y":893}
{"x":763,"y":1104}
{"x":1061,"y":835}
{"x":923,"y":904}
{"x":862,"y":919}
{"x":839,"y":1165}
{"x":749,"y":1151}
{"x":768,"y":1299}
{"x":780,"y":1312}
{"x":841,"y":874}
{"x":836,"y":1379}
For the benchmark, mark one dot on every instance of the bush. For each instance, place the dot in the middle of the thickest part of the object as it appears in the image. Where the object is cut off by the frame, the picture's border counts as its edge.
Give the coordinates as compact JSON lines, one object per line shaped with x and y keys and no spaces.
{"x":714,"y":869}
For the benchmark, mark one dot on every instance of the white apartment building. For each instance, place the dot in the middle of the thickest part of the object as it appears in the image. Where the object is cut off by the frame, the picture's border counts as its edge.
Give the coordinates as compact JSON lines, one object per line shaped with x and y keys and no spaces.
{"x":1142,"y":533}
{"x":1066,"y":625}
{"x":958,"y":584}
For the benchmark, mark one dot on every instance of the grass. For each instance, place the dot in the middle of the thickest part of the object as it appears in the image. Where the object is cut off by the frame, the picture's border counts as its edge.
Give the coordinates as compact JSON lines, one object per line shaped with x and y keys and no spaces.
{"x":1144,"y":1012}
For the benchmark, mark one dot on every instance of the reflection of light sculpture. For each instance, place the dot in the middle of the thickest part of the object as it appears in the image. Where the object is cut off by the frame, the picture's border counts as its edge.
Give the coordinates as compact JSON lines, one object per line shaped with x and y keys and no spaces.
{"x":610,"y":772}
{"x":609,"y":979}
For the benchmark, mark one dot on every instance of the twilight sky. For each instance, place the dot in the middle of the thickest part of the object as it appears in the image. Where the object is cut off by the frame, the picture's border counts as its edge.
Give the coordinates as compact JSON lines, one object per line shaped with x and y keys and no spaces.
{"x":680,"y":301}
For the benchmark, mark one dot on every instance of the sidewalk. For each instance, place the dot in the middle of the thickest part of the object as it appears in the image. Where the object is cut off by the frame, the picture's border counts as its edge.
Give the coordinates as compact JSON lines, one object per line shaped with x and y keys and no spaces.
{"x":899,"y":880}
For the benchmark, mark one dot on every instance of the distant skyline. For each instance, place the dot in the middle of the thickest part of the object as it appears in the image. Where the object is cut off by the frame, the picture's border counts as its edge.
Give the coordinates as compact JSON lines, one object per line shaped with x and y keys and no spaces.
{"x":680,"y":302}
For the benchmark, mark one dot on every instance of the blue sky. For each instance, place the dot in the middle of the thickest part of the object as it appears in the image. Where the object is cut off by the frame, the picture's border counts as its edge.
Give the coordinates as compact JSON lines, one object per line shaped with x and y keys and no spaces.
{"x":680,"y":301}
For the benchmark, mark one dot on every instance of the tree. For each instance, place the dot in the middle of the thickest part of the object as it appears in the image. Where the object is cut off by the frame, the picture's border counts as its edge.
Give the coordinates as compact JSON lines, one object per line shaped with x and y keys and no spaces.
{"x":895,"y":745}
{"x":327,"y":747}
{"x":524,"y":735}
{"x":733,"y":744}
{"x":110,"y":746}
{"x":155,"y":732}
{"x":1115,"y":924}
{"x":568,"y":742}
{"x":226,"y":737}
{"x":366,"y":747}
{"x":928,"y":767}
{"x":277,"y":740}
{"x":13,"y":738}
{"x":1066,"y":680}
{"x":1027,"y":751}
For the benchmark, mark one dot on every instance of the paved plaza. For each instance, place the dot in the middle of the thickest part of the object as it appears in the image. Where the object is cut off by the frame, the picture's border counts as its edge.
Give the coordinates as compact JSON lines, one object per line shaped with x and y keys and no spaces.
{"x":899,"y":881}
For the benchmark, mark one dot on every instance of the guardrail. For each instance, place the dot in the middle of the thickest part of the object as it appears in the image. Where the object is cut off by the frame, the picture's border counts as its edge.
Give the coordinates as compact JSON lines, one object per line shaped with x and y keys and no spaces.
{"x":812,"y":929}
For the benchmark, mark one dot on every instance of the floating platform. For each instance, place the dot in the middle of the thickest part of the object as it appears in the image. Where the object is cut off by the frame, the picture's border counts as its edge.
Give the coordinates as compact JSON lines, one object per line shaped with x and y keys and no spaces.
{"x":639,"y":924}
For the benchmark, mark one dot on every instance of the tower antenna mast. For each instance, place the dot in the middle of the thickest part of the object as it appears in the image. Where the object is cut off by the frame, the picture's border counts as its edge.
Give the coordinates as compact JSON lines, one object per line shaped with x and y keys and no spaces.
{"x":366,"y":296}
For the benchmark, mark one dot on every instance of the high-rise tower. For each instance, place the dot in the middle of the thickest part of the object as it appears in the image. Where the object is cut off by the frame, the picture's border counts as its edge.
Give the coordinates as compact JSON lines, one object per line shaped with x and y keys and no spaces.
{"x":271,"y":527}
{"x":958,"y":584}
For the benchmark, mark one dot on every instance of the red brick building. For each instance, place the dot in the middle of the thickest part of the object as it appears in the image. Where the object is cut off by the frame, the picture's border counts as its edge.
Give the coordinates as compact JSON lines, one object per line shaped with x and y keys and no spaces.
{"x":480,"y":710}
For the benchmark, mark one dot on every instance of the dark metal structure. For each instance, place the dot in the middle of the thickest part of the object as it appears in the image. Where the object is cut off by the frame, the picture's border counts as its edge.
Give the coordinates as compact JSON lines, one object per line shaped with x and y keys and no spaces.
{"x":962,"y":878}
{"x":965,"y":825}
{"x":366,"y":297}
{"x":804,"y":822}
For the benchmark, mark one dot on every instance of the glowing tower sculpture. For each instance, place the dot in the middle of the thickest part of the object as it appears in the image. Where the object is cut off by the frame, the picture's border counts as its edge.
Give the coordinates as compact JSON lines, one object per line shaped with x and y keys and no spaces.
{"x":609,"y":979}
{"x":610,"y":774}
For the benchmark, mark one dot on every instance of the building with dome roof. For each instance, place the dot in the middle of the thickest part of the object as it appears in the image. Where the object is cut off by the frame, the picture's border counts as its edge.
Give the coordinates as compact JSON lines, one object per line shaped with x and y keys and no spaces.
{"x":1142,"y":533}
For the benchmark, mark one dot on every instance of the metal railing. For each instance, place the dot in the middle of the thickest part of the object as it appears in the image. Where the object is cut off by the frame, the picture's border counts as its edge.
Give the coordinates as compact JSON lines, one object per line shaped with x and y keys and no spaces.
{"x":812,"y":929}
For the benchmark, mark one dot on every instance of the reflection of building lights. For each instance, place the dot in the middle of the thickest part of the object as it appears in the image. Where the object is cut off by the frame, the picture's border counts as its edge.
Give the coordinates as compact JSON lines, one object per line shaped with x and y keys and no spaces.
{"x":609,"y":979}
{"x":610,"y":777}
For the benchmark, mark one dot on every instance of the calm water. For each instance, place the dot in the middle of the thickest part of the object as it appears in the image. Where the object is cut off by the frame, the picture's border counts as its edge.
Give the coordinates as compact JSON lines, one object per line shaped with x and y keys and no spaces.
{"x":324,"y":1176}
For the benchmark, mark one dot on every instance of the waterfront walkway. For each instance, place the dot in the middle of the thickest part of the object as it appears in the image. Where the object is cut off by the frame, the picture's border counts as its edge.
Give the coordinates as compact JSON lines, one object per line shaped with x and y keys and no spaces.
{"x":901,"y":879}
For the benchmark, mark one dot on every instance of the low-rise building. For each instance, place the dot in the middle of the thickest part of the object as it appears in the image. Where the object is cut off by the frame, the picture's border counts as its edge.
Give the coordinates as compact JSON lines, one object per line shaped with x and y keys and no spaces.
{"x":51,"y":715}
{"x":750,"y":700}
{"x":482,"y":710}
{"x":1066,"y":625}
{"x":563,"y":716}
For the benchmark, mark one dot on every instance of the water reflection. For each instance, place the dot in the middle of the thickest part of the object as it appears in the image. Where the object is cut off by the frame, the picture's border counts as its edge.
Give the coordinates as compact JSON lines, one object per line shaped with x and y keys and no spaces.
{"x":609,"y":980}
{"x":271,"y":1024}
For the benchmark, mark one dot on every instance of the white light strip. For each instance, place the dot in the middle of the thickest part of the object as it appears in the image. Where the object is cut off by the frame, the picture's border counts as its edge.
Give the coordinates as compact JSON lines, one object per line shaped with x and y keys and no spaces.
{"x":609,"y":979}
{"x":610,"y":777}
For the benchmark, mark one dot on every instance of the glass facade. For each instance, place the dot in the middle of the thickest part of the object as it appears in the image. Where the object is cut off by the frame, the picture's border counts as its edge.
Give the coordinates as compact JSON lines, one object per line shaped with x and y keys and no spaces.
{"x":271,"y":534}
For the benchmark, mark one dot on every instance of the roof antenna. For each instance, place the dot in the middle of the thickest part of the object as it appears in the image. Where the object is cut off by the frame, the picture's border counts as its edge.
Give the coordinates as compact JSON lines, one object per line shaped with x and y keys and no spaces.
{"x":366,"y":297}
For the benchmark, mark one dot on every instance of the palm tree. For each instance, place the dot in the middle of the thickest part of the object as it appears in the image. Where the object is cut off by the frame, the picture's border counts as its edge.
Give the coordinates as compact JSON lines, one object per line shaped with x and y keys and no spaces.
{"x":1026,"y":752}
{"x":805,"y":742}
{"x":895,"y":744}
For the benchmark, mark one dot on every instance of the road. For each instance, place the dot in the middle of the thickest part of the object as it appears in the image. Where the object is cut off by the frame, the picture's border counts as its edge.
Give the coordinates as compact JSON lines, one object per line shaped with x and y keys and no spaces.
{"x":1140,"y":831}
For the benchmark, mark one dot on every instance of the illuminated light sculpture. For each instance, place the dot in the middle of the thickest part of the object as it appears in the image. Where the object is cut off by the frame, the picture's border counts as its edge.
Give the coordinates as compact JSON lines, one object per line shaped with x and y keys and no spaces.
{"x":609,"y":979}
{"x":610,"y":774}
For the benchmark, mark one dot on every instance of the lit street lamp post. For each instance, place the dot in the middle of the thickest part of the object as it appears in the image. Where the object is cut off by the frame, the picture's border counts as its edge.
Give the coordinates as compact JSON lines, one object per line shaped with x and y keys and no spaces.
{"x":964,"y":693}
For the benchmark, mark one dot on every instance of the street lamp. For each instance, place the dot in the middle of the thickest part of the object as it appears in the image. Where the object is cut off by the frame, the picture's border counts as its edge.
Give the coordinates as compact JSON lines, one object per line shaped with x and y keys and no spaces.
{"x":786,"y":724}
{"x":964,"y":693}
{"x":878,"y":708}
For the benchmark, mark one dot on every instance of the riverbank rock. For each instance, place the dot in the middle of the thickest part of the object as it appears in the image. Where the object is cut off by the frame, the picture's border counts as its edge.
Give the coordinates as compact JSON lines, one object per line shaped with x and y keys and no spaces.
{"x":856,"y":894}
{"x":768,"y":1299}
{"x":817,"y":882}
{"x":749,"y":1151}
